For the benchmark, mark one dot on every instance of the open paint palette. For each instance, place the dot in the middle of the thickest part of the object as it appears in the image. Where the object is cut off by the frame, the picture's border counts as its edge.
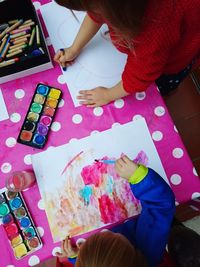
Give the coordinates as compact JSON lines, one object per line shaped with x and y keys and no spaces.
{"x":40,"y":115}
{"x":18,"y":224}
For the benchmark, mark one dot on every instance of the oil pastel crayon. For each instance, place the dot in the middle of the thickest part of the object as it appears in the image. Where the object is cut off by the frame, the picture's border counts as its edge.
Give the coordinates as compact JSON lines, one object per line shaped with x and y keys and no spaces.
{"x":16,"y":45}
{"x":14,"y":53}
{"x":27,"y":24}
{"x":3,"y":44}
{"x":14,"y":36}
{"x":14,"y":26}
{"x":8,"y":62}
{"x":13,"y":21}
{"x":32,"y":37}
{"x":3,"y":33}
{"x":37,"y":35}
{"x":27,"y":21}
{"x":3,"y":54}
{"x":20,"y":30}
{"x":21,"y":39}
{"x":21,"y":46}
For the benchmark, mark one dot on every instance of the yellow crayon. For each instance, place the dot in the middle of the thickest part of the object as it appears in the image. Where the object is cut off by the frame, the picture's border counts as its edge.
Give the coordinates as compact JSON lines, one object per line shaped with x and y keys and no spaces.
{"x":17,"y":48}
{"x":14,"y":53}
{"x":27,"y":24}
{"x":32,"y":37}
{"x":3,"y":33}
{"x":20,"y":40}
{"x":17,"y":45}
{"x":13,"y":21}
{"x":37,"y":35}
{"x":27,"y":21}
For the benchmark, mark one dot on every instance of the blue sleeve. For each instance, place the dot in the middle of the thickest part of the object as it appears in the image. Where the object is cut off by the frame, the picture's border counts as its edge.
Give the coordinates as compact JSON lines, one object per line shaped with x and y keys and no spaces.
{"x":153,"y":224}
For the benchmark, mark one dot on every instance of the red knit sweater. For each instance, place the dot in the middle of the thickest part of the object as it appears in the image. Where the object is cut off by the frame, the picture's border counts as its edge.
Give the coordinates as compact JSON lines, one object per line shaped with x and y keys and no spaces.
{"x":169,"y":41}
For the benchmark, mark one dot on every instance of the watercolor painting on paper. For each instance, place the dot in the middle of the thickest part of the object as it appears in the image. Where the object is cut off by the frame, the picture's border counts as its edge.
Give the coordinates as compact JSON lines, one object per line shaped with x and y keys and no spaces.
{"x":89,"y":197}
{"x":81,"y":195}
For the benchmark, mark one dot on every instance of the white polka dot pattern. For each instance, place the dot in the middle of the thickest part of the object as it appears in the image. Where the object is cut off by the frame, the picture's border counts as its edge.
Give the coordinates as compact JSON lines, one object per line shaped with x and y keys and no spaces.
{"x":11,"y":142}
{"x":175,"y":179}
{"x":6,"y":167}
{"x":56,"y":126}
{"x":77,"y":118}
{"x":157,"y":136}
{"x":19,"y":93}
{"x":177,"y":153}
{"x":27,"y":159}
{"x":33,"y":260}
{"x":98,"y":111}
{"x":159,"y":111}
{"x":15,"y":117}
{"x":119,"y":103}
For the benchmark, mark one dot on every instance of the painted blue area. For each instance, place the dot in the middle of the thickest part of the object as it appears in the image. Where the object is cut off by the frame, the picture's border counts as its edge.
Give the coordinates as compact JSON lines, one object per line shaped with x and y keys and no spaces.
{"x":85,"y":193}
{"x":109,"y":185}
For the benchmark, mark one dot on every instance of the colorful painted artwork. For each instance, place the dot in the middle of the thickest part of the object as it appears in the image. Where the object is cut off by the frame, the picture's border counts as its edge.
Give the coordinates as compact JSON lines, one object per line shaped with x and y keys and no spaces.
{"x":82,"y":195}
{"x":89,"y":199}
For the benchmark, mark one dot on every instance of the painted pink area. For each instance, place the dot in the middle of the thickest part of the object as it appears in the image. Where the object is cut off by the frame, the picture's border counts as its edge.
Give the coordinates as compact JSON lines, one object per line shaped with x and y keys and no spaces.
{"x":111,"y":210}
{"x":141,"y":158}
{"x":92,"y":174}
{"x":16,"y":154}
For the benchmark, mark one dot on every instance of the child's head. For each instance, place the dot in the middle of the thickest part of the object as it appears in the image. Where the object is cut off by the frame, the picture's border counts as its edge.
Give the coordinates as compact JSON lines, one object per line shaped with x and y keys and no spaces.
{"x":184,"y":247}
{"x":125,"y":16}
{"x":108,"y":249}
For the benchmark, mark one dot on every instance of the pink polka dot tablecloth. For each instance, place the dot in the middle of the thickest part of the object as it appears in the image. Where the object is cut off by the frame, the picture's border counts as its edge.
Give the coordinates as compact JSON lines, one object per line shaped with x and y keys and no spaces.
{"x":74,"y":123}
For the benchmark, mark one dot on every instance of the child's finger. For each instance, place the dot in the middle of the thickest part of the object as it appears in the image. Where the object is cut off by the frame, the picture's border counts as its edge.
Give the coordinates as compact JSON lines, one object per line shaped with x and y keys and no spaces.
{"x":126,"y":159}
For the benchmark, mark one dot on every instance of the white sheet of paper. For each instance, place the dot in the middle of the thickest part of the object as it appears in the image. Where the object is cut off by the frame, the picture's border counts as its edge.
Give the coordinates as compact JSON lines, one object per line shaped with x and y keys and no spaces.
{"x":3,"y":110}
{"x":49,"y":165}
{"x":99,"y":64}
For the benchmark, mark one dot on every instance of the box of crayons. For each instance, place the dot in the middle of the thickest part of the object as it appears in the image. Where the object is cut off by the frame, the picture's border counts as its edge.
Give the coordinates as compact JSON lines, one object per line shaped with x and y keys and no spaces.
{"x":40,"y":115}
{"x":23,"y":50}
{"x":19,"y":227}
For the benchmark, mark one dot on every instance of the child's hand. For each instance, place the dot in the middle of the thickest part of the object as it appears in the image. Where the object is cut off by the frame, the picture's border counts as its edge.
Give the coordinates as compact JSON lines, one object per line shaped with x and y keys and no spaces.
{"x":66,"y":57}
{"x":125,"y":167}
{"x":67,"y":250}
{"x":96,"y":97}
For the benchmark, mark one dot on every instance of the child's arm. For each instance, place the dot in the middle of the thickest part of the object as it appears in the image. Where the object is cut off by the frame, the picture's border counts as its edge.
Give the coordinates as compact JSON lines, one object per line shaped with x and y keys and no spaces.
{"x":86,"y":32}
{"x":158,"y":205}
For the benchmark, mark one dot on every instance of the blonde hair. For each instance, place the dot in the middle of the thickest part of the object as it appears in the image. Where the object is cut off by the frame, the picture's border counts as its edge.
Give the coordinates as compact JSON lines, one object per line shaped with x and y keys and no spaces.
{"x":108,"y":249}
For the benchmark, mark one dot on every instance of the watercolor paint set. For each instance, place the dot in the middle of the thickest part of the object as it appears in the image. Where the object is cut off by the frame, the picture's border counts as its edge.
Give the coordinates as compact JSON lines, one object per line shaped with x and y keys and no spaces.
{"x":23,"y":50}
{"x":40,"y":115}
{"x":19,"y":227}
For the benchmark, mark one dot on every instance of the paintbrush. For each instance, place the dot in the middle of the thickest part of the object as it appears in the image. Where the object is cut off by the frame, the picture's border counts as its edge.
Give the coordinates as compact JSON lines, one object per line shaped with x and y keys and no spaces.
{"x":106,"y":161}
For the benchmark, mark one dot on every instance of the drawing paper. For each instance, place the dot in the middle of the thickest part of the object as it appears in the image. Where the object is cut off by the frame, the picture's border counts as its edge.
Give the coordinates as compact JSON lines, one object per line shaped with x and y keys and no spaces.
{"x":99,"y":64}
{"x":80,"y":194}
